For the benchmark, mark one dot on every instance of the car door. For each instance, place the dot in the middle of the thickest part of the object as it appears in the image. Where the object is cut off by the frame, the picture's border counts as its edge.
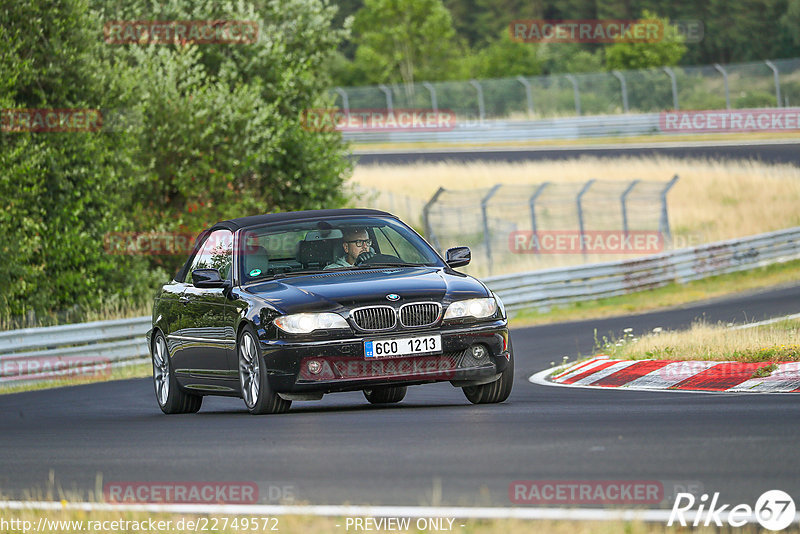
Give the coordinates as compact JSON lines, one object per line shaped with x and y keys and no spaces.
{"x":206,"y":334}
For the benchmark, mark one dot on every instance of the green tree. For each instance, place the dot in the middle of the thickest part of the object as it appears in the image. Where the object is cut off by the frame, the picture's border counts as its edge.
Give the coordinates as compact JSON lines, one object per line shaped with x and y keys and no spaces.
{"x":504,"y":58}
{"x":209,"y":132}
{"x":405,"y":41}
{"x":643,"y":55}
{"x":61,"y":193}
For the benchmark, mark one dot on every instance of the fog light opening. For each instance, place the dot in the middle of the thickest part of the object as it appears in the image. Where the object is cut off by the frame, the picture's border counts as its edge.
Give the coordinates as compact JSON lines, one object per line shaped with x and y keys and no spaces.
{"x":314,"y":367}
{"x":479,"y":351}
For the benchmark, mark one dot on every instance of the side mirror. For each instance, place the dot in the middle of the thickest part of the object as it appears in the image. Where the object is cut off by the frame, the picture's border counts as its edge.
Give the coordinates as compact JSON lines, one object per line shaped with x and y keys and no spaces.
{"x":458,"y":256}
{"x":207,"y":278}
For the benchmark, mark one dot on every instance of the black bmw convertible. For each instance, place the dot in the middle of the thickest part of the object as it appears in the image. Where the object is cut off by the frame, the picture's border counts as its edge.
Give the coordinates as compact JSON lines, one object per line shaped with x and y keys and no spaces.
{"x":290,"y":306}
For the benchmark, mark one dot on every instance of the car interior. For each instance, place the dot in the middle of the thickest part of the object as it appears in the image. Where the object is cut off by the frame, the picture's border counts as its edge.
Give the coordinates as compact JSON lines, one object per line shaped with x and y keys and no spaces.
{"x":315,"y":251}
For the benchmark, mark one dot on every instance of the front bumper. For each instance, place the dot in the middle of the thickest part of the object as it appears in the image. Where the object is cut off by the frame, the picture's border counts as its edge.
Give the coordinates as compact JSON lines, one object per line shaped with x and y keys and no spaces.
{"x":343,"y":366}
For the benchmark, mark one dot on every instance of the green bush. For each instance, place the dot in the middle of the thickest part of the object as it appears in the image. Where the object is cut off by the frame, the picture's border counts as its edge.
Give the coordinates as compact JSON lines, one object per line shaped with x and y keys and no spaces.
{"x":215,"y":133}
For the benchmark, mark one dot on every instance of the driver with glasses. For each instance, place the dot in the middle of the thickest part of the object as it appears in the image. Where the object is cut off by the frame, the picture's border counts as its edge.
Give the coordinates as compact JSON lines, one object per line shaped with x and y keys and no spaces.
{"x":357,"y":248}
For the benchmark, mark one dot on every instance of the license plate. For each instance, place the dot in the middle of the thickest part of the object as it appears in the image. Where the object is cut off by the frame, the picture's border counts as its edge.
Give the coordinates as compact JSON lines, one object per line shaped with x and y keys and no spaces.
{"x":404,"y":346}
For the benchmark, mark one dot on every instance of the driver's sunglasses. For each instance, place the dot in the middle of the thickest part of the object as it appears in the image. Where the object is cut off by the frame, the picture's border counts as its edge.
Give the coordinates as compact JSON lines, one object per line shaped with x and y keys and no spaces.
{"x":361,"y":242}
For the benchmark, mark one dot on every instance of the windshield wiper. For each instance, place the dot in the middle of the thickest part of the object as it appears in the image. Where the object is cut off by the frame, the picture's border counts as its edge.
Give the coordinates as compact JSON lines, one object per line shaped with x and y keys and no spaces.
{"x":298,"y":273}
{"x":387,"y":264}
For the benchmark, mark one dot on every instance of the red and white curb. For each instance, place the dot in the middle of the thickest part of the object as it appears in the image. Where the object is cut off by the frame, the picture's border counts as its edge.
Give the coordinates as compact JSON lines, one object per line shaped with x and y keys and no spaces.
{"x":673,"y":375}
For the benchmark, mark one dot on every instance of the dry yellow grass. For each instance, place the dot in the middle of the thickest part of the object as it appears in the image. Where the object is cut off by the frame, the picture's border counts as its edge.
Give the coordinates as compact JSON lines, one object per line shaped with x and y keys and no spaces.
{"x":713,"y":200}
{"x":138,"y":522}
{"x":777,"y":342}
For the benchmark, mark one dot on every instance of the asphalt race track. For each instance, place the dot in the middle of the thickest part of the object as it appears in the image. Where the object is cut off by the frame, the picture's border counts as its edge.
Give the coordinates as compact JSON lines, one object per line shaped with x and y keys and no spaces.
{"x":768,"y":152}
{"x":434,"y":447}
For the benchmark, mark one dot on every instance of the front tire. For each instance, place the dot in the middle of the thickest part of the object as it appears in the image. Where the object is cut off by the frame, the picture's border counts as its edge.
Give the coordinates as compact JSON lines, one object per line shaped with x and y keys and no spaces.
{"x":171,"y":399}
{"x":385,"y":395}
{"x":258,"y":396}
{"x":496,"y":391}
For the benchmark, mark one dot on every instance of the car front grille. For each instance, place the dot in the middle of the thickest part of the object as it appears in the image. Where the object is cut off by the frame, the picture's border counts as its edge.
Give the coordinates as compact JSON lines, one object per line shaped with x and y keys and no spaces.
{"x":419,"y":314}
{"x":375,"y":318}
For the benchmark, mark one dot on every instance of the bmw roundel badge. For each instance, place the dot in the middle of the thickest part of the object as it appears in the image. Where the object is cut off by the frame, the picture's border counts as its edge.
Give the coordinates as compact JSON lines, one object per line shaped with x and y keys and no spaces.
{"x":393,"y":297}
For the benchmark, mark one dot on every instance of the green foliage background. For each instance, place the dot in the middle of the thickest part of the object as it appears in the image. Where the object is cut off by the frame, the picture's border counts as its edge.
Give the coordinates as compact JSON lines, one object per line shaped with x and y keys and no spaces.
{"x":193,"y":134}
{"x":476,"y":44}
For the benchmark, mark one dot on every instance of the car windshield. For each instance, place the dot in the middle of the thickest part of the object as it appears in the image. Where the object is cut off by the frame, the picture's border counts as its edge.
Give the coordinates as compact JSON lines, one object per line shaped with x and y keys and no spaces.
{"x":304,"y":247}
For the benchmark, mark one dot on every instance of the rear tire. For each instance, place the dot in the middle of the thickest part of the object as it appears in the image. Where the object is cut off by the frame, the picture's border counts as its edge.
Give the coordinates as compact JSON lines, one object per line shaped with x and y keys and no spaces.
{"x":171,"y":399}
{"x":258,"y":396}
{"x":385,"y":395}
{"x":496,"y":391}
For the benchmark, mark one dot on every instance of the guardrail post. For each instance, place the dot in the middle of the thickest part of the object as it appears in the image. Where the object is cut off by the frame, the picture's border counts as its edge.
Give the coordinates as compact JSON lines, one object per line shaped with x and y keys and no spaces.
{"x":724,"y":73}
{"x":388,"y":93}
{"x":624,"y":87}
{"x":426,"y":223}
{"x":574,"y":81}
{"x":623,"y":201}
{"x":674,"y":81}
{"x":345,"y":100}
{"x":776,"y":74}
{"x":486,"y":235}
{"x":532,"y":204}
{"x":578,"y":200}
{"x":481,"y":106}
{"x":664,"y":223}
{"x":432,"y":90}
{"x":528,"y":95}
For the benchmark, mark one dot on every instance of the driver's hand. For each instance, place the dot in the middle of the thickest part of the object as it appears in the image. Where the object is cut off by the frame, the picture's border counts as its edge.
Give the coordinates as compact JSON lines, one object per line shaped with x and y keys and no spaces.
{"x":364,"y":256}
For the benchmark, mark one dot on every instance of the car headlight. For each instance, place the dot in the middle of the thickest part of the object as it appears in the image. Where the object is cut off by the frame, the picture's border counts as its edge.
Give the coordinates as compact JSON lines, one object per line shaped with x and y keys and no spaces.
{"x":303,"y":323}
{"x":478,"y":308}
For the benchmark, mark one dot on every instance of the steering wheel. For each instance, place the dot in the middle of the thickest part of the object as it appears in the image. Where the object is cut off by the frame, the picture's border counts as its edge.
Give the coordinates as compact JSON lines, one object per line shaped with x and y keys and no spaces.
{"x":377,"y":258}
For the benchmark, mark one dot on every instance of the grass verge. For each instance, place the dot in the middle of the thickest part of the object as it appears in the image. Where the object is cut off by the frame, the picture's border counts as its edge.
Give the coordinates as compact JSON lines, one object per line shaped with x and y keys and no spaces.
{"x":776,"y":342}
{"x":139,"y":370}
{"x":667,"y":296}
{"x":636,"y":139}
{"x":68,"y":521}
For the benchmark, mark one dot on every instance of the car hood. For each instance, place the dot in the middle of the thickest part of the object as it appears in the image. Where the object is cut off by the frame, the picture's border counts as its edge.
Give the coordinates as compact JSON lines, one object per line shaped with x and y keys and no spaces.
{"x":321,"y":292}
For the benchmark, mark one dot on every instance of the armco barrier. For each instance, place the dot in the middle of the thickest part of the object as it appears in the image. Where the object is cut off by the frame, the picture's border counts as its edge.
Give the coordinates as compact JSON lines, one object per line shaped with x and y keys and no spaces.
{"x":545,"y":288}
{"x":123,"y":341}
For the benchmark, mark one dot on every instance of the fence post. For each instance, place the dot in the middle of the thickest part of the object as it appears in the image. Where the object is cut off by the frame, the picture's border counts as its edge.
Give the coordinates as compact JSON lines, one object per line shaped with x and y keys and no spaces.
{"x":487,"y":241}
{"x":623,"y":201}
{"x":388,"y":93}
{"x":532,"y":204}
{"x":624,"y":87}
{"x":776,"y":74}
{"x":664,"y":223}
{"x":674,"y":81}
{"x":432,"y":90}
{"x":426,"y":223}
{"x":528,"y":95}
{"x":574,"y":81}
{"x":481,"y":106}
{"x":578,"y":200}
{"x":345,"y":100}
{"x":725,"y":81}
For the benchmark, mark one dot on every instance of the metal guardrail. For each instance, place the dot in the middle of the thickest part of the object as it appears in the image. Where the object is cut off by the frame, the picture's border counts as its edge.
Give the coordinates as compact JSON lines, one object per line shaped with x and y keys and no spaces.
{"x":122,"y":342}
{"x":546,"y":288}
{"x":522,"y":130}
{"x":45,"y":352}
